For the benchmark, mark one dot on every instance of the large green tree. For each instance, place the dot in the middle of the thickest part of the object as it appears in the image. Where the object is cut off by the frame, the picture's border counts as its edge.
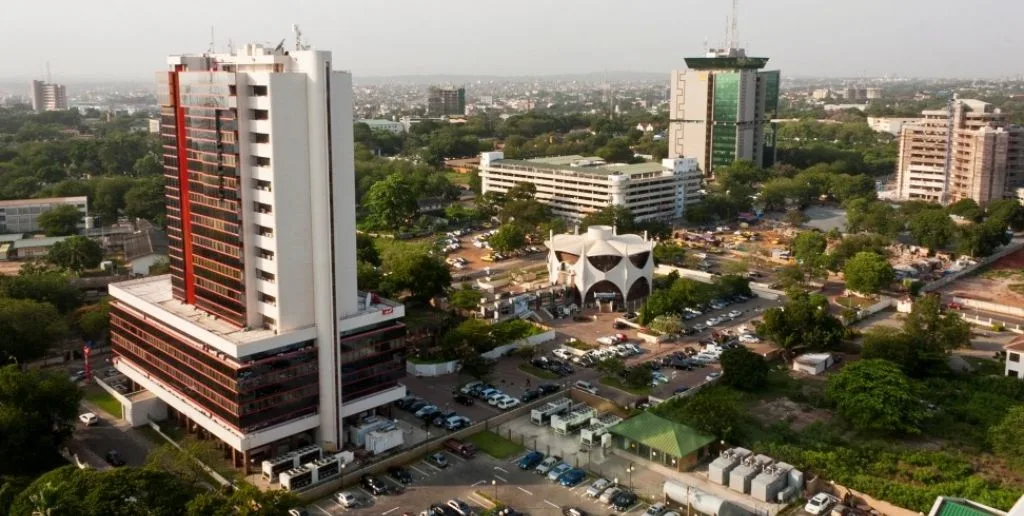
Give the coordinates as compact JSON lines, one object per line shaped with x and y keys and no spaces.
{"x":872,"y":216}
{"x":391,"y":203}
{"x":421,"y":275}
{"x":744,"y":369}
{"x":508,"y":238}
{"x":366,"y":250}
{"x":114,"y":492}
{"x":28,"y":329}
{"x":44,"y":286}
{"x":803,"y":323}
{"x":868,"y":273}
{"x":669,"y":253}
{"x":61,"y":220}
{"x":146,"y":200}
{"x":37,"y":414}
{"x":246,"y":500}
{"x":76,"y":254}
{"x":931,"y":228}
{"x":874,"y":396}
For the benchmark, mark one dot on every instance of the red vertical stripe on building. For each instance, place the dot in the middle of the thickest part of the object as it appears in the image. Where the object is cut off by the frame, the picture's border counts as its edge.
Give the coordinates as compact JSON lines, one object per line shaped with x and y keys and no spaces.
{"x":183,"y":190}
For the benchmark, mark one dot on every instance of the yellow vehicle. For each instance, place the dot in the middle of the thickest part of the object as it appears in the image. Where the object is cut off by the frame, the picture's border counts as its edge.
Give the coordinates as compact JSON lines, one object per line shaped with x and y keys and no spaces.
{"x":488,"y":258}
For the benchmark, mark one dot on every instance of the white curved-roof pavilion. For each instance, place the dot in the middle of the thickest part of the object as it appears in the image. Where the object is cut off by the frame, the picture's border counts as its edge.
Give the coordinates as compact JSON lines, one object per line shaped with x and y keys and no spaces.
{"x":603,"y":266}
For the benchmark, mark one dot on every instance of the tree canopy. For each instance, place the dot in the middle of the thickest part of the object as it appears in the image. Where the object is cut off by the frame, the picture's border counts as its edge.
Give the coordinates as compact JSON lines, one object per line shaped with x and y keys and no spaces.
{"x":28,"y":329}
{"x":803,"y":323}
{"x":868,"y":273}
{"x":875,"y":397}
{"x":508,"y":238}
{"x":61,"y":220}
{"x":76,"y":254}
{"x":37,"y":415}
{"x":743,"y":369}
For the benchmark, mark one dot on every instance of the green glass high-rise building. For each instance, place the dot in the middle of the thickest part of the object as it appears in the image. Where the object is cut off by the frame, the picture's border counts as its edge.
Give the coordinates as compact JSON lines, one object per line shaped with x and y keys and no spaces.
{"x":721,"y":110}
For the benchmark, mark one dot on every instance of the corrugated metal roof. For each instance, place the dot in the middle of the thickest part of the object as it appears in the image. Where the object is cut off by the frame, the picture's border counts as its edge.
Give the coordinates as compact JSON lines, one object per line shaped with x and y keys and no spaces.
{"x":951,"y":507}
{"x":37,"y":242}
{"x":675,"y":439}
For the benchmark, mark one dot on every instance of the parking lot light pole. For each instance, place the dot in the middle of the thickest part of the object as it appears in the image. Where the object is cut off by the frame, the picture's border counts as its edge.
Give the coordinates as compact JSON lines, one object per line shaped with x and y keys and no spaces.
{"x":495,"y":484}
{"x":630,"y":470}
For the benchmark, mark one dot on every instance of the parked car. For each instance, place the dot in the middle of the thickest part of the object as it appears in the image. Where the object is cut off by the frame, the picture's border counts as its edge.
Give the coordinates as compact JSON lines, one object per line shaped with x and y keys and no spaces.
{"x":77,"y":376}
{"x":457,"y":423}
{"x":406,"y":401}
{"x":441,"y":418}
{"x":712,"y":376}
{"x":608,"y":494}
{"x":572,"y":477}
{"x":585,"y":386}
{"x":734,"y":314}
{"x":655,"y":510}
{"x":373,"y":485}
{"x":530,"y":460}
{"x":558,"y":470}
{"x":427,"y":413}
{"x":468,"y":388}
{"x":464,"y":399}
{"x":346,"y":499}
{"x":573,"y":511}
{"x":624,"y":500}
{"x":89,"y":418}
{"x":460,"y":507}
{"x":508,"y":403}
{"x":438,"y":459}
{"x":562,"y":353}
{"x":439,"y":509}
{"x":529,"y":395}
{"x":820,"y":504}
{"x":545,"y":466}
{"x":400,"y":474}
{"x":547,"y":388}
{"x":462,"y":449}
{"x":598,"y":487}
{"x":415,"y":406}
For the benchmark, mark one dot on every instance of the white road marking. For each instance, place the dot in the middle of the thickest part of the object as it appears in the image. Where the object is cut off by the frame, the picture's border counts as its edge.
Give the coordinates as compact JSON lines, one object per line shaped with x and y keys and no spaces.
{"x":502,"y":479}
{"x":325,"y":511}
{"x":525,"y":491}
{"x":501,"y":469}
{"x":429,"y":465}
{"x":424,"y":473}
{"x":551,"y":504}
{"x":478,"y":483}
{"x":389,"y":511}
{"x":365,"y":492}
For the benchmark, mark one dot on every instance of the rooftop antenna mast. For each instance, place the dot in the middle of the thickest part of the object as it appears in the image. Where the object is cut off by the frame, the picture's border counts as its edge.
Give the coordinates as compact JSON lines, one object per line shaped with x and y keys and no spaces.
{"x":49,"y":79}
{"x":734,"y":31}
{"x":299,"y":44}
{"x":210,"y":49}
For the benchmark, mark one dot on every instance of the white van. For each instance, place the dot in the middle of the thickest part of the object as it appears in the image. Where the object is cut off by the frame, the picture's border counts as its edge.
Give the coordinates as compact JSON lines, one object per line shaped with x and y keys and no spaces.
{"x":585,"y":386}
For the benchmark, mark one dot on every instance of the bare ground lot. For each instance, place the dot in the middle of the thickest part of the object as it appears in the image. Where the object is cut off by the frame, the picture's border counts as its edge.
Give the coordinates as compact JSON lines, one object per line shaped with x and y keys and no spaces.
{"x":1002,"y":283}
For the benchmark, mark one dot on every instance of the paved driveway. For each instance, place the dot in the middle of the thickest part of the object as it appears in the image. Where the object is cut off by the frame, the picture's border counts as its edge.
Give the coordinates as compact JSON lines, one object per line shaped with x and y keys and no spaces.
{"x":93,"y":442}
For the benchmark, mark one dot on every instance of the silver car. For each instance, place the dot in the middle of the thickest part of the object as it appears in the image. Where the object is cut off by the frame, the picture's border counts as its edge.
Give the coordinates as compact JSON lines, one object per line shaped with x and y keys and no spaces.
{"x":598,"y":487}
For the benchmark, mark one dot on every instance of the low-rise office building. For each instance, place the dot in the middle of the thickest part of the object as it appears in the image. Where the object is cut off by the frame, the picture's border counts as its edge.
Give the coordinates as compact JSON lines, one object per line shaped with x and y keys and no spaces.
{"x":22,"y":215}
{"x":575,"y":186}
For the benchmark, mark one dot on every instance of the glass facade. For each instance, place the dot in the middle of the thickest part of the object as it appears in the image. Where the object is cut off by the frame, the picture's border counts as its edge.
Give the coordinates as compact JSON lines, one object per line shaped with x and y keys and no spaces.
{"x":257,"y":392}
{"x":372,"y":361}
{"x":199,"y":130}
{"x":725,"y":111}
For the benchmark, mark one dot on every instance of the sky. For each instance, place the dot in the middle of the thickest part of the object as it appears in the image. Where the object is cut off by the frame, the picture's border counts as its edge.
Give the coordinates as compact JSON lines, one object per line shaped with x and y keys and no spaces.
{"x":128,"y":39}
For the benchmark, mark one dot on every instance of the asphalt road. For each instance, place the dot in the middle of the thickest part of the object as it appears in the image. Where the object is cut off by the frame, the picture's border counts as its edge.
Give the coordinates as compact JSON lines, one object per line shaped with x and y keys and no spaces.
{"x":93,"y":442}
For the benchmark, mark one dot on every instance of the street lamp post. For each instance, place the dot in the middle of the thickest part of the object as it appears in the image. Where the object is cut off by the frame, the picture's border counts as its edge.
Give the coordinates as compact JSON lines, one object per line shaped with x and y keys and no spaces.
{"x":494,"y":483}
{"x":630,"y":470}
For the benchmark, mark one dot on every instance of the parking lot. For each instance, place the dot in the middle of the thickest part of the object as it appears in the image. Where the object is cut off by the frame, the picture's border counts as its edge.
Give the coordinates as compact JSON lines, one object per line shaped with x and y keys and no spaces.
{"x":467,"y":480}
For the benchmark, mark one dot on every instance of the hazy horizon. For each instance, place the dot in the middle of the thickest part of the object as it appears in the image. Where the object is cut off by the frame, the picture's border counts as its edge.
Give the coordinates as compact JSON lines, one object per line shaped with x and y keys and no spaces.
{"x":125,"y":41}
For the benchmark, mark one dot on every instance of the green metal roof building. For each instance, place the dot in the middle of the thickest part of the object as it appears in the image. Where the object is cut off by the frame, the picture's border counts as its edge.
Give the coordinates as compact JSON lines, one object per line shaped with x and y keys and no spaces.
{"x":660,"y":440}
{"x":947,"y":506}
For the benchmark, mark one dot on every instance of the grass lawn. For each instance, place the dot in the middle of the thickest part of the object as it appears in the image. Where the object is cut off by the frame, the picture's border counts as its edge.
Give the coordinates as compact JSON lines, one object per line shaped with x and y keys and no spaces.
{"x":538,"y":372}
{"x":456,"y":178}
{"x":984,"y":366}
{"x":495,"y":445}
{"x":855,"y":303}
{"x":580,"y":345}
{"x":616,"y":383}
{"x":102,"y":399}
{"x":418,"y":245}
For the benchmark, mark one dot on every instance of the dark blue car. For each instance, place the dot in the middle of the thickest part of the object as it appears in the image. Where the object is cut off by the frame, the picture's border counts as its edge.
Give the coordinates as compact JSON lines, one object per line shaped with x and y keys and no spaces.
{"x":572,"y":477}
{"x":530,"y":460}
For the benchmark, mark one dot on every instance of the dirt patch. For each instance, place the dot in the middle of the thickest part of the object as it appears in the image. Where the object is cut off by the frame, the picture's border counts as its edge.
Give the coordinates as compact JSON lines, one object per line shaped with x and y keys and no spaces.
{"x":797,"y":415}
{"x":999,"y":283}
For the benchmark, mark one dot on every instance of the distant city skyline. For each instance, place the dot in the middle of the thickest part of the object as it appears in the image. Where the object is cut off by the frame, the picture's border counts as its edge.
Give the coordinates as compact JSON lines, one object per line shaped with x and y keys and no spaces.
{"x":913,"y":38}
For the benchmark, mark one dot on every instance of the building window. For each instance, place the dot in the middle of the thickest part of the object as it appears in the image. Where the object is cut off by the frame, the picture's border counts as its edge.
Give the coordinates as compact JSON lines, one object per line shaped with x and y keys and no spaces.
{"x":258,"y":91}
{"x":259,"y":114}
{"x":1011,"y":373}
{"x":265,"y":254}
{"x":260,"y":161}
{"x":1014,"y":357}
{"x":264,"y":208}
{"x":266,"y":298}
{"x":259,"y":137}
{"x":264,"y":231}
{"x":262,"y":185}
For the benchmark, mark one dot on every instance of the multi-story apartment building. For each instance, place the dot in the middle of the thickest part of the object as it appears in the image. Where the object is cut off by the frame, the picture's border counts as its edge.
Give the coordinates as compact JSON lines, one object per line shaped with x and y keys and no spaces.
{"x":22,"y":215}
{"x":575,"y":186}
{"x":721,"y":110}
{"x":258,"y":335}
{"x":966,"y":151}
{"x":48,"y":97}
{"x":446,"y":101}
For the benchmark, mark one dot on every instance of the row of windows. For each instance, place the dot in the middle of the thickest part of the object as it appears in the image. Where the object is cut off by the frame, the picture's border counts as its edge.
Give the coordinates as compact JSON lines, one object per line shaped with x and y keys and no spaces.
{"x":217,"y":267}
{"x":230,"y":310}
{"x":230,"y":250}
{"x":218,"y":224}
{"x":228,"y":283}
{"x":217,"y":288}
